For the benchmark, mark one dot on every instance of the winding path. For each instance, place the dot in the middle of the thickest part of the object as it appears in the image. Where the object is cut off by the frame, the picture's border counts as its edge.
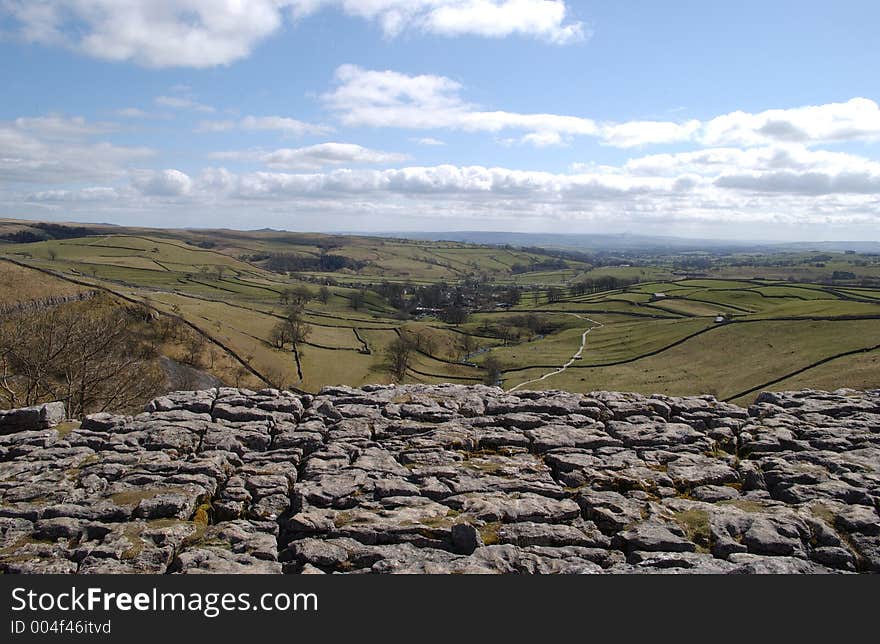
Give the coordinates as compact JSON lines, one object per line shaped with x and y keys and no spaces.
{"x":576,"y":356}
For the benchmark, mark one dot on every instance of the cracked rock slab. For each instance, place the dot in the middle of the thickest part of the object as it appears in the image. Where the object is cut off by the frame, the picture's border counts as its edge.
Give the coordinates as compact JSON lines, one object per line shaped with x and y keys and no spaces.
{"x":445,"y":479}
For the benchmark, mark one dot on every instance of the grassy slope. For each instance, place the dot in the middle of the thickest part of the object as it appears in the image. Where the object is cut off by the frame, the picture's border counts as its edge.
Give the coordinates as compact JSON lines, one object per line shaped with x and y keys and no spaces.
{"x":236,"y":301}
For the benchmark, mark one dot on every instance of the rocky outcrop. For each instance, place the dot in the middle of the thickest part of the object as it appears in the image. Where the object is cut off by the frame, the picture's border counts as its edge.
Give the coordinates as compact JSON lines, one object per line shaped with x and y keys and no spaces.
{"x":448,"y":479}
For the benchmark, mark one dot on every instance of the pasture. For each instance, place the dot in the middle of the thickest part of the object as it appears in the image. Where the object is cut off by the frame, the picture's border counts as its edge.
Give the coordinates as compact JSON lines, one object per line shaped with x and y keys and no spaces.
{"x":771,"y":331}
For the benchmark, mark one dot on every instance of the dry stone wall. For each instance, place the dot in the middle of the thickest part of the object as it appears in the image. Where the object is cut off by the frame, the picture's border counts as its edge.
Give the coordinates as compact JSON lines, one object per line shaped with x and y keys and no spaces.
{"x":446,"y":479}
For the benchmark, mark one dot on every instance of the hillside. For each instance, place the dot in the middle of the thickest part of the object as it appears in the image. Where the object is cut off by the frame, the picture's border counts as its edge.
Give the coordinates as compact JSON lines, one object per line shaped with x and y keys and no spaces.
{"x":727,"y":323}
{"x":445,"y":479}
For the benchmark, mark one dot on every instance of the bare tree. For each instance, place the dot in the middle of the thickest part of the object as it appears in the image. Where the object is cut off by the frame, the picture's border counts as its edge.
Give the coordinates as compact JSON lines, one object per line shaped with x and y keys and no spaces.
{"x":239,"y":374}
{"x":467,"y":345}
{"x":494,"y":371}
{"x":292,"y":329}
{"x":324,"y":295}
{"x":398,"y":353}
{"x":91,"y":355}
{"x":193,"y":347}
{"x":298,"y":296}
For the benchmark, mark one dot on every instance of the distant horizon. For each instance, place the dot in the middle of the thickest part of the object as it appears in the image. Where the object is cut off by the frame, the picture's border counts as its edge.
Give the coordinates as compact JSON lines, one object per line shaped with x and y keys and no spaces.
{"x":437,"y":234}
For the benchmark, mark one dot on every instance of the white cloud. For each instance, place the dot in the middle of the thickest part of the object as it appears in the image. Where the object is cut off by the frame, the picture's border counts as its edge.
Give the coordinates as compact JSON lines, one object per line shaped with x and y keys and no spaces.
{"x":427,"y":140}
{"x":804,"y":183}
{"x":96,"y":194}
{"x":543,"y":139}
{"x":856,"y":119}
{"x":391,"y":99}
{"x":696,"y":192}
{"x":162,"y":183}
{"x":182,"y":103}
{"x":635,"y":133}
{"x":133,"y":113}
{"x":206,"y":33}
{"x":153,"y":33}
{"x":287,"y":126}
{"x":548,"y":20}
{"x":216,"y":126}
{"x":719,"y":161}
{"x":445,"y":181}
{"x":61,"y":127}
{"x":313,"y":157}
{"x":55,"y":149}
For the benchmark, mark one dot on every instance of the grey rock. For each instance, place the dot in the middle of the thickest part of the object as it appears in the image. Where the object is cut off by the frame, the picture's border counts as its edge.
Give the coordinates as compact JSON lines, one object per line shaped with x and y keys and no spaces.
{"x":31,"y":418}
{"x":652,"y":536}
{"x":446,"y":479}
{"x":465,"y":538}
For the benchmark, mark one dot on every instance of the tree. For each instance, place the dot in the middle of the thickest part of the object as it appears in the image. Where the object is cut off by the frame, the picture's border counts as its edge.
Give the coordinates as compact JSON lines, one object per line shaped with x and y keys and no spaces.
{"x":356,"y":300}
{"x":324,"y":294}
{"x":494,"y":371}
{"x":467,"y":345}
{"x":507,"y":331}
{"x":454,"y":315}
{"x":92,"y":356}
{"x":398,"y":353}
{"x":292,"y":329}
{"x":213,"y":356}
{"x":193,"y":348}
{"x":511,"y":296}
{"x":298,"y":296}
{"x":239,"y":373}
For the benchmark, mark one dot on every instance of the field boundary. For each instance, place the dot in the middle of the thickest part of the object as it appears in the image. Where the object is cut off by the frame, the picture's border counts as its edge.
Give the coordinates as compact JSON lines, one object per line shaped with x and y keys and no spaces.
{"x":801,"y":370}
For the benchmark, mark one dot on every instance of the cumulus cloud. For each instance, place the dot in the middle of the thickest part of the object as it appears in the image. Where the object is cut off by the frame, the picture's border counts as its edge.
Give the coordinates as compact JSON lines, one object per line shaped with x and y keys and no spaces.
{"x":804,"y":183}
{"x":855,"y":119}
{"x":635,"y":133}
{"x":206,"y":33}
{"x":58,"y":149}
{"x":699,"y":192}
{"x":771,"y":171}
{"x":858,"y":118}
{"x":313,"y":157}
{"x":162,"y":183}
{"x":285,"y":126}
{"x":547,"y":20}
{"x":153,"y":33}
{"x":442,"y":181}
{"x":392,"y":99}
{"x":386,"y":98}
{"x":768,"y":159}
{"x":752,"y":184}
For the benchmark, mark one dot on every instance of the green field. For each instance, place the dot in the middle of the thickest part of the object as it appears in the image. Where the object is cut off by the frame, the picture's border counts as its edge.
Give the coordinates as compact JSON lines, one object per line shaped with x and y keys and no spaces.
{"x":772,"y":331}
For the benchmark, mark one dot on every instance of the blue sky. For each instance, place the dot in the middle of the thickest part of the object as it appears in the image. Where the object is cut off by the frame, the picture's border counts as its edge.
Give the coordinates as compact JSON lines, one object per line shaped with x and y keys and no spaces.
{"x":754,"y":120}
